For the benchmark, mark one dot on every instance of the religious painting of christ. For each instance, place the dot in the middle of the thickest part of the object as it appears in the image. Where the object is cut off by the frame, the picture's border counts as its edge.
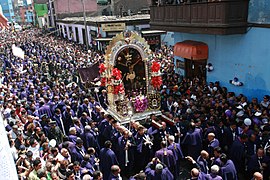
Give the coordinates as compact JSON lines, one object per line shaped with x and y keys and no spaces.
{"x":129,"y":62}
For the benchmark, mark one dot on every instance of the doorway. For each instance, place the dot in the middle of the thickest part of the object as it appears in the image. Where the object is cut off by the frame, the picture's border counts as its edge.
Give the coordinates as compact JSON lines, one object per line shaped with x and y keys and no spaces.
{"x":77,"y":35}
{"x":195,"y":68}
{"x":83,"y":34}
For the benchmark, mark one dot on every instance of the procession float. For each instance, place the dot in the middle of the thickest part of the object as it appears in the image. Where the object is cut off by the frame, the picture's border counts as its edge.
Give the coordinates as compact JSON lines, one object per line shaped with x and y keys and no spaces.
{"x":132,"y":78}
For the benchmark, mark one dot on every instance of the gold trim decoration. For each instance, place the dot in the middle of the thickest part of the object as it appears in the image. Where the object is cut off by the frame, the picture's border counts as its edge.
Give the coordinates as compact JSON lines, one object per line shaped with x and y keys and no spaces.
{"x":154,"y":101}
{"x":122,"y":105}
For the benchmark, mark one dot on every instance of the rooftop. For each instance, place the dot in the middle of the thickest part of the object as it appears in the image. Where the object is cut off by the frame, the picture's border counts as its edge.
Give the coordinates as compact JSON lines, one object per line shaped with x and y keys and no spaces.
{"x":108,"y":18}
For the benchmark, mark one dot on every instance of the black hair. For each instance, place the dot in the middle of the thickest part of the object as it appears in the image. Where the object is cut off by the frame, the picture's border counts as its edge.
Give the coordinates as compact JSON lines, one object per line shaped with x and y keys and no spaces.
{"x":29,"y":153}
{"x":163,"y":144}
{"x":218,"y":149}
{"x":69,"y":173}
{"x":76,"y":163}
{"x":36,"y":162}
{"x":96,"y":175}
{"x":108,"y":144}
{"x":41,"y":173}
{"x":223,"y":158}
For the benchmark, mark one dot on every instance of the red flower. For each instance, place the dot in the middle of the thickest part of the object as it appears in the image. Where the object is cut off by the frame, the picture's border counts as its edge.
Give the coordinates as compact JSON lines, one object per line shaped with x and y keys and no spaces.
{"x":115,"y":89}
{"x":156,"y":81}
{"x":155,"y":67}
{"x":102,"y":68}
{"x":116,"y":73}
{"x":119,"y":89}
{"x":103,"y":81}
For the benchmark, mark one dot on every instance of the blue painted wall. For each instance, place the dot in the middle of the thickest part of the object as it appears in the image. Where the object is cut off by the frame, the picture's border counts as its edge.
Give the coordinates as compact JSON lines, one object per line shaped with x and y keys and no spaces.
{"x":7,"y":8}
{"x":259,"y":11}
{"x":29,"y":17}
{"x":244,"y":56}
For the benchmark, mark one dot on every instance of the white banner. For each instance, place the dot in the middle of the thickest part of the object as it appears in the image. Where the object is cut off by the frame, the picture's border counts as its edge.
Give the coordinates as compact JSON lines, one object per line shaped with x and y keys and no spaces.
{"x":7,"y":164}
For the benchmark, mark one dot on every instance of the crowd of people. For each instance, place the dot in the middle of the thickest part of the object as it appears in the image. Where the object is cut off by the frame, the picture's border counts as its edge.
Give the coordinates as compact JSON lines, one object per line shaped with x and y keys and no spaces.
{"x":59,"y":129}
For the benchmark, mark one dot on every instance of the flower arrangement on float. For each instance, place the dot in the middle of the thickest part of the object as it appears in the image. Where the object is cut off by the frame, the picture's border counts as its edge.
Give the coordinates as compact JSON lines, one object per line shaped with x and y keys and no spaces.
{"x":102,"y":72}
{"x":236,"y":82}
{"x":118,"y":87}
{"x":156,"y":79}
{"x":140,"y":103}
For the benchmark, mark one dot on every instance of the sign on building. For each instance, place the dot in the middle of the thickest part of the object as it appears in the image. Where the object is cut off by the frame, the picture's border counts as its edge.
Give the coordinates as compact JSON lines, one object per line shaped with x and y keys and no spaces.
{"x":113,"y":27}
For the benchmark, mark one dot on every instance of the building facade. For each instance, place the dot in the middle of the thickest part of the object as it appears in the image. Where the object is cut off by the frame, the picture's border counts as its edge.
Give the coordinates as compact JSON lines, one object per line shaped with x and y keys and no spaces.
{"x":102,"y":29}
{"x":24,"y":11}
{"x":68,"y":8}
{"x":237,"y":42}
{"x":7,"y":8}
{"x":42,"y":15}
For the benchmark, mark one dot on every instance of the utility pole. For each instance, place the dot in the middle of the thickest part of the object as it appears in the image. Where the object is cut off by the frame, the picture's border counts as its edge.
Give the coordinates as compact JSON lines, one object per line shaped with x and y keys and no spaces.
{"x":51,"y":14}
{"x":112,"y":8}
{"x":85,"y":25}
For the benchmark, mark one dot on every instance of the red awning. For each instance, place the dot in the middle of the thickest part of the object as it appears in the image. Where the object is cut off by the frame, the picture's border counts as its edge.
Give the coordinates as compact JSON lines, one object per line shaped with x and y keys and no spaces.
{"x":193,"y":50}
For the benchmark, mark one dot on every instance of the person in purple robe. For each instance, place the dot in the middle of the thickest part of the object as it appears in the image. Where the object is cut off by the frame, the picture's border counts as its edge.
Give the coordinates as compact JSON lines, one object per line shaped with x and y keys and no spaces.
{"x":166,"y":156}
{"x":103,"y":99}
{"x":216,"y":159}
{"x":202,"y":161}
{"x":78,"y":125}
{"x":258,"y":163}
{"x":44,"y":109}
{"x":214,"y":175}
{"x":78,"y":152}
{"x":144,"y":150}
{"x":67,"y":116}
{"x":212,"y":144}
{"x":158,"y":171}
{"x":139,"y":176}
{"x":230,"y":135}
{"x":59,"y":121}
{"x":85,"y":119}
{"x":107,"y":160}
{"x":193,"y":142}
{"x":177,"y":152}
{"x":238,"y":154}
{"x":88,"y":138}
{"x":227,"y":170}
{"x":72,"y":135}
{"x":84,"y":108}
{"x":87,"y":164}
{"x":115,"y":173}
{"x":125,"y":154}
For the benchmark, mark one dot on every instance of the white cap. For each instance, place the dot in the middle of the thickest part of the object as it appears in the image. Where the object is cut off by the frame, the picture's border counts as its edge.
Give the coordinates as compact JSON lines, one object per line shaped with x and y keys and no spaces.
{"x":240,"y":113}
{"x":258,"y":113}
{"x":247,"y":122}
{"x":189,"y":111}
{"x":52,"y":143}
{"x":239,"y":107}
{"x":175,"y":104}
{"x":193,"y":97}
{"x":264,"y":121}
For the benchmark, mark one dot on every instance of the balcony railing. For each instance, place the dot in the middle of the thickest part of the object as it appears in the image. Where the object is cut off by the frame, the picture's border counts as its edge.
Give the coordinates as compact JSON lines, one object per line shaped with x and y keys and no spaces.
{"x":220,"y":17}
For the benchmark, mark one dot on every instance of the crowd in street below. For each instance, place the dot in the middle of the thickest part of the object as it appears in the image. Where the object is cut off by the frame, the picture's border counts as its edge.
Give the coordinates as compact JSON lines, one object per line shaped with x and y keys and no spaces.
{"x":60,"y":129}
